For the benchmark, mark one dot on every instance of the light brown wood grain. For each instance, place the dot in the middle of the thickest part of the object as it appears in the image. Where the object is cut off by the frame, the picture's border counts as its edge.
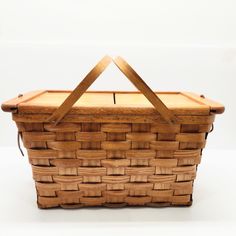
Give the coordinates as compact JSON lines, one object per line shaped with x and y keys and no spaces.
{"x":12,"y":105}
{"x":102,"y":103}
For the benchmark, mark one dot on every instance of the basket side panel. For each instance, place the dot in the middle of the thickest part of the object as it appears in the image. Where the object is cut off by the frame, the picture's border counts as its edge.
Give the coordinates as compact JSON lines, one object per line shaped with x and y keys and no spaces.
{"x":114,"y":164}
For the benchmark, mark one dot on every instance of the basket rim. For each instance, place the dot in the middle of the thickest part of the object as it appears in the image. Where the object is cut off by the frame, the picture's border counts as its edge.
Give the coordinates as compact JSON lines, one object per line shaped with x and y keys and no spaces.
{"x":201,"y":105}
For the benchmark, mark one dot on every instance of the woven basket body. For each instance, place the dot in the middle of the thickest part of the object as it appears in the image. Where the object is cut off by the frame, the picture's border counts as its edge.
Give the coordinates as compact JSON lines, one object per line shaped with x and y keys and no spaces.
{"x":114,"y":156}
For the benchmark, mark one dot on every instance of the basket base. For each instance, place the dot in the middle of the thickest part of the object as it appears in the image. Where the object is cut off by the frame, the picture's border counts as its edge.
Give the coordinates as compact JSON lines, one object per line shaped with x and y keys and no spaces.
{"x":115,"y":205}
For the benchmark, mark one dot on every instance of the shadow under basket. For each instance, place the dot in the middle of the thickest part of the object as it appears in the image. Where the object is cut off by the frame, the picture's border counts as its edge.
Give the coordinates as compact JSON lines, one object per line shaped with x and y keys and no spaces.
{"x":113,"y":148}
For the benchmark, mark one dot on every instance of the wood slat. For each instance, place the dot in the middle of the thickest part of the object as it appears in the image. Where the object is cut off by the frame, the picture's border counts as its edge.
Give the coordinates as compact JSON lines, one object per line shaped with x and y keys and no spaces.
{"x":86,"y":171}
{"x":115,"y":179}
{"x":42,"y":153}
{"x":164,"y":145}
{"x":160,"y":193}
{"x":90,"y":136}
{"x":67,"y":179}
{"x":190,"y":137}
{"x":140,"y":154}
{"x":115,"y":162}
{"x":64,"y":146}
{"x":162,"y":178}
{"x":42,"y":170}
{"x":66,"y":162}
{"x":63,"y":127}
{"x":139,"y":186}
{"x":164,"y":162}
{"x":165,"y":128}
{"x":91,"y":154}
{"x":116,"y":145}
{"x":141,"y":137}
{"x":139,"y":201}
{"x":36,"y":118}
{"x":139,"y":170}
{"x":38,"y":136}
{"x":119,"y":128}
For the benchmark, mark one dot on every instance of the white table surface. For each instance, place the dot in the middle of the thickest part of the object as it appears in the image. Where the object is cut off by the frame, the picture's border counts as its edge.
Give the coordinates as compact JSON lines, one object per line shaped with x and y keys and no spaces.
{"x":213,"y":209}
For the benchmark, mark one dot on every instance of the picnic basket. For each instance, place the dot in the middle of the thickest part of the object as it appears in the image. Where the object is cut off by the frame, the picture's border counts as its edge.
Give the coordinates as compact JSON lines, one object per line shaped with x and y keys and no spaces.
{"x":113,"y":148}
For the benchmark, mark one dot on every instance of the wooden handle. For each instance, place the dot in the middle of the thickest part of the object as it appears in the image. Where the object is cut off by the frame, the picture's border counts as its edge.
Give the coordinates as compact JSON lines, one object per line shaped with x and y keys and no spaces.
{"x":138,"y":82}
{"x":79,"y":90}
{"x":125,"y":68}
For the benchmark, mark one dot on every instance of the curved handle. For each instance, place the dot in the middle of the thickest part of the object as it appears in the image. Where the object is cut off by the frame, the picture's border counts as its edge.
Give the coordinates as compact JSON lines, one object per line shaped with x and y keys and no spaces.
{"x":125,"y":68}
{"x":138,"y":82}
{"x":64,"y":108}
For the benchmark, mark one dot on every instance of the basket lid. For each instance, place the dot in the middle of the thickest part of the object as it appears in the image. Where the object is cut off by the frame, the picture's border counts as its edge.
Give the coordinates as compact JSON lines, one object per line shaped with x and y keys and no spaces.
{"x":112,"y":102}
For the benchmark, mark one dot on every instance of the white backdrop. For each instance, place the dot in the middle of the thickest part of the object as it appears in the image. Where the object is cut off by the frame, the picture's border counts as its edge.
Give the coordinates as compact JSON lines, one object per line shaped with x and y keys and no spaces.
{"x":187,"y":45}
{"x":174,"y":45}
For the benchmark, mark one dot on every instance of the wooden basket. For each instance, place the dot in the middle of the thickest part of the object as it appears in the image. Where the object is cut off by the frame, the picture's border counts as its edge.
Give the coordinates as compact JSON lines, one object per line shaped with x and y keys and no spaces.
{"x":113,"y":148}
